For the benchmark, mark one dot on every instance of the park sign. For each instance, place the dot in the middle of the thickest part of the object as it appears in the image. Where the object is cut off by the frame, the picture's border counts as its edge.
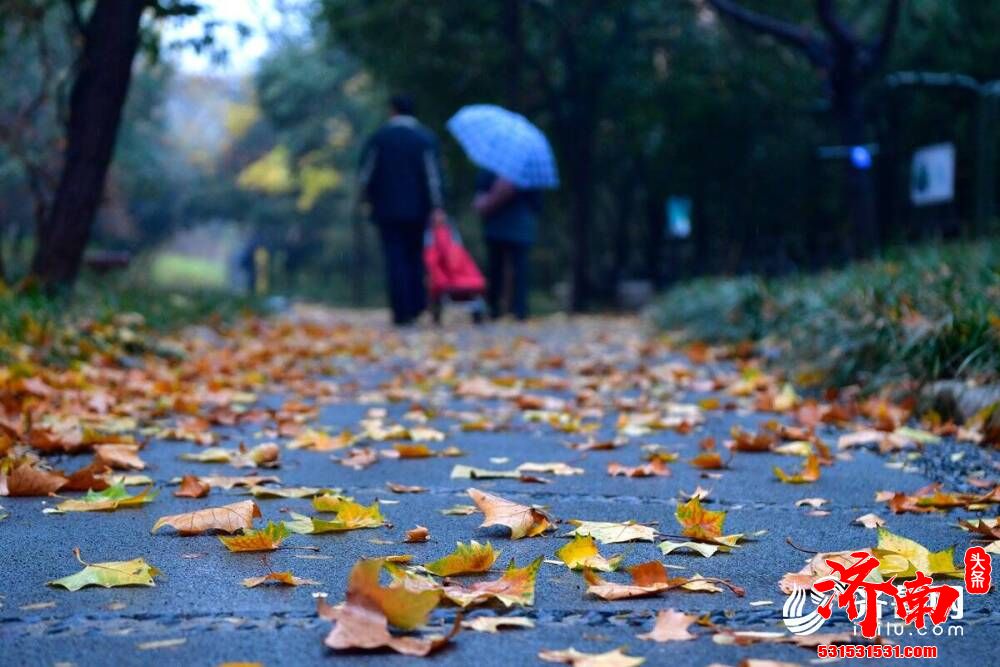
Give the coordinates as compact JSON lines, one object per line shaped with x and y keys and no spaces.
{"x":932,"y":175}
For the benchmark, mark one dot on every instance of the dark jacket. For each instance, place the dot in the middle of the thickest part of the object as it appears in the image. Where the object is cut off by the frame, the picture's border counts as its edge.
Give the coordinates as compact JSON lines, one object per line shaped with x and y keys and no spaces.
{"x":401,"y":174}
{"x":517,"y":220}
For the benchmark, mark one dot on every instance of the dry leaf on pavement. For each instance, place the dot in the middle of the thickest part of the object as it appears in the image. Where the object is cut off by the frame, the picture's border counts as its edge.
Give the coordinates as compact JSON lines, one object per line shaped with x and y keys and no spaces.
{"x":522,"y":520}
{"x":228,"y":519}
{"x":671,"y":626}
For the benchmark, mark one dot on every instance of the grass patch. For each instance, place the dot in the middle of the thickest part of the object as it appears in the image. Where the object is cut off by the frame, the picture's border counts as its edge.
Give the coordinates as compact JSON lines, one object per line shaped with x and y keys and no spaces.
{"x":106,"y":316}
{"x":920,"y":314}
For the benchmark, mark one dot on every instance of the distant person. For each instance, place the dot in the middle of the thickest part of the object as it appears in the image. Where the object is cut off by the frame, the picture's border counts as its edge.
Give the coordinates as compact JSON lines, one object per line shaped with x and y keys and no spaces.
{"x":510,"y":216}
{"x":401,"y":179}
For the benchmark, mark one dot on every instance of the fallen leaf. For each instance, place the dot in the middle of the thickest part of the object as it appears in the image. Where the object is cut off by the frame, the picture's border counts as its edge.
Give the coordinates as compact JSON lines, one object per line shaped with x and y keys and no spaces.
{"x":360,"y":627}
{"x":459,"y":510}
{"x":870,"y":520}
{"x":351,"y":516}
{"x":557,"y":468}
{"x":359,"y":458}
{"x":161,"y":643}
{"x":706,"y":549}
{"x":468,"y":472}
{"x":671,"y":626}
{"x":582,"y":553}
{"x":902,"y":557}
{"x":494,"y":624}
{"x":465,"y":559}
{"x":26,"y":480}
{"x":286,"y":491}
{"x":412,"y":451}
{"x":267,"y":538}
{"x":321,"y":442}
{"x":120,"y":457}
{"x":808,"y":474}
{"x":571,"y":656}
{"x":418,"y":534}
{"x":136,"y":572}
{"x":699,"y":523}
{"x":612,"y":533}
{"x":651,"y":469}
{"x":401,"y":606}
{"x":649,"y":579}
{"x":282,"y":578}
{"x":522,"y":520}
{"x":228,"y":519}
{"x":107,"y":500}
{"x":515,"y":587}
{"x":708,"y":461}
{"x":192,"y":487}
{"x":402,"y":488}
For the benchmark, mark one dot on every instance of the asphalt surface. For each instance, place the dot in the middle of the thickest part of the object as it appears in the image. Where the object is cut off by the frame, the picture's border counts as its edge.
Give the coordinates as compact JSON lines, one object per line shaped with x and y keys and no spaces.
{"x":200,"y":599}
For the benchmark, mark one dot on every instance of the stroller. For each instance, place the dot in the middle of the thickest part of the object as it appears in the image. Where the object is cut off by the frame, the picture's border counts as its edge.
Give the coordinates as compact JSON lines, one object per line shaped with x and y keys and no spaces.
{"x":453,"y":276}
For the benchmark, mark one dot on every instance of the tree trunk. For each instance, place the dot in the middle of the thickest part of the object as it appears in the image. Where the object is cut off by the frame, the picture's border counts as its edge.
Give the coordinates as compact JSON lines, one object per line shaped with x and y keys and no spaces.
{"x":102,"y":81}
{"x":859,"y":188}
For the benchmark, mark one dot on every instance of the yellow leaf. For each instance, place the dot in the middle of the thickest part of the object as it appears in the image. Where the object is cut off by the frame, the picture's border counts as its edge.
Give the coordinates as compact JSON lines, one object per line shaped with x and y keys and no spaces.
{"x":283,"y":578}
{"x":903,"y":557}
{"x":465,"y":559}
{"x":268,"y":538}
{"x":809,"y":473}
{"x":699,"y":523}
{"x":136,"y":572}
{"x":582,"y":553}
{"x":404,"y":608}
{"x":515,"y":587}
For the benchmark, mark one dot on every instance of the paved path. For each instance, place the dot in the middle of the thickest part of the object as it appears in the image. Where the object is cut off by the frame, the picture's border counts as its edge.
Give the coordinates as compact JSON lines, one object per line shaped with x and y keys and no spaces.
{"x":603,"y":363}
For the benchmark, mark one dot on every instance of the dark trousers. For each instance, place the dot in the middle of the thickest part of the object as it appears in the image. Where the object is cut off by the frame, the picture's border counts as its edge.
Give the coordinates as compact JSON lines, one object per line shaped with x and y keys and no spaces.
{"x":403,"y":246}
{"x":508,"y":264}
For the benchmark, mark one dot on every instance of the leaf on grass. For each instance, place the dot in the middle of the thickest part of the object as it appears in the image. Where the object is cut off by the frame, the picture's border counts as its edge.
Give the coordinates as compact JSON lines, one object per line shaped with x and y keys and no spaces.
{"x":228,"y":519}
{"x":571,"y":656}
{"x":582,"y":553}
{"x":465,"y":559}
{"x":192,"y":487}
{"x":107,"y":500}
{"x":902,"y":557}
{"x":267,"y":538}
{"x":120,"y":457}
{"x":522,"y":520}
{"x":282,"y":578}
{"x":808,"y":474}
{"x":652,"y":469}
{"x":403,"y":488}
{"x":612,"y":533}
{"x":870,"y":520}
{"x":136,"y":572}
{"x":494,"y":624}
{"x":706,"y":549}
{"x":515,"y":587}
{"x":25,"y":480}
{"x":671,"y":626}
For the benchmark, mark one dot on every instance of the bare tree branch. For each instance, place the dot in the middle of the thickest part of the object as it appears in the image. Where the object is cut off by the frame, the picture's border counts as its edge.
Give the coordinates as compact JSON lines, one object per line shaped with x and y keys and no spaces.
{"x":788,"y":33}
{"x":880,"y":49}
{"x":833,"y":24}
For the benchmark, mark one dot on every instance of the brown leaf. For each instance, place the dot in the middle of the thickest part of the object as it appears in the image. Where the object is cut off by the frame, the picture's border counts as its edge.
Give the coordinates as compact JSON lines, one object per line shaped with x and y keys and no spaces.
{"x":283,"y":578}
{"x":26,"y":480}
{"x":671,"y":626}
{"x":361,"y":627}
{"x":192,"y":487}
{"x":359,"y":458}
{"x":655,"y":468}
{"x":418,"y":534}
{"x":228,"y":519}
{"x":522,"y":520}
{"x":119,"y":457}
{"x":403,"y":488}
{"x":708,"y":461}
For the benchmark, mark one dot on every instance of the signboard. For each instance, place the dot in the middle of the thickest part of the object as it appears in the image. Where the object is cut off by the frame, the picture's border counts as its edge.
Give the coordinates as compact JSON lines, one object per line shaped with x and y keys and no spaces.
{"x":932,"y":175}
{"x":678,"y":211}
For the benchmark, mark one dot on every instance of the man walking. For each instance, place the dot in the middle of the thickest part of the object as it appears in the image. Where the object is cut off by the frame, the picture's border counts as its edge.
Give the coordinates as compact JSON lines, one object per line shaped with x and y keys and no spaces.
{"x":401,"y":179}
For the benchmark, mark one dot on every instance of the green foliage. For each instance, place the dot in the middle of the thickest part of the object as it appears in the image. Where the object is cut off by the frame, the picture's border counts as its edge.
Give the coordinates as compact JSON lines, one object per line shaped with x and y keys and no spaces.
{"x":921,"y":314}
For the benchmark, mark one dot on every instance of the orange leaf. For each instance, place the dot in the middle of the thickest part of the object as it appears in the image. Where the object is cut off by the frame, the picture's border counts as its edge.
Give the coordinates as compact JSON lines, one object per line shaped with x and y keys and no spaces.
{"x":268,"y":538}
{"x":699,"y":523}
{"x":283,"y":578}
{"x":671,"y":626}
{"x":192,"y":487}
{"x":655,"y":468}
{"x":120,"y":457}
{"x":418,"y":534}
{"x":26,"y":480}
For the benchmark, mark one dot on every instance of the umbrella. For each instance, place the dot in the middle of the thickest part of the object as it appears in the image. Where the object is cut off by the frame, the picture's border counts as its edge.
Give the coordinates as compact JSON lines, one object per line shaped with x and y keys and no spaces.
{"x":507,"y":144}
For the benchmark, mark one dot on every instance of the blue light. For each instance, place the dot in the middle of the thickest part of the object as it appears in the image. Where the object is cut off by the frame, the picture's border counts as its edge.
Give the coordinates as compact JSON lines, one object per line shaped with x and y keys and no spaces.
{"x":861,"y":158}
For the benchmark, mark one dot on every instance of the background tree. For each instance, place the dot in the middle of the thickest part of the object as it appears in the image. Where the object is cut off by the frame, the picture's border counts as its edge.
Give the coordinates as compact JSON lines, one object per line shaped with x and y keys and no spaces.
{"x":847,"y":63}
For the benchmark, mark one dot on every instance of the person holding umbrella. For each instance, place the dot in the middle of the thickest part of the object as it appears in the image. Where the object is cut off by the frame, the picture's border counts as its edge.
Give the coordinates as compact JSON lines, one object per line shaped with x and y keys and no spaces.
{"x":516,"y":163}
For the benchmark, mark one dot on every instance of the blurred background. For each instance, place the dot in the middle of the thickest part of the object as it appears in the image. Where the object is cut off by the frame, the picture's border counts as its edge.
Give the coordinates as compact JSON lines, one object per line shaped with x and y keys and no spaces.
{"x":694,"y":138}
